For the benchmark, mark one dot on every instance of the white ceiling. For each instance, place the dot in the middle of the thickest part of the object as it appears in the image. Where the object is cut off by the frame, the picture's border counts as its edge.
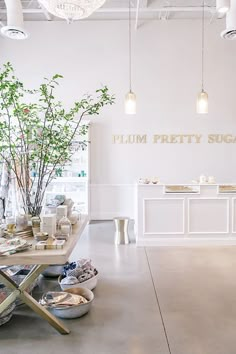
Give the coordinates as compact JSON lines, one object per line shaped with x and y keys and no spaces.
{"x":118,"y":9}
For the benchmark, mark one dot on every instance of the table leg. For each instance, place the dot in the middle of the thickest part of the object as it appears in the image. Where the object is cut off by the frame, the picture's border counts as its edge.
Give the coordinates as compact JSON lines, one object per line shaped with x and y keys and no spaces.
{"x":9,"y":300}
{"x":45,"y":314}
{"x":7,"y":281}
{"x":19,"y":291}
{"x":33,"y":274}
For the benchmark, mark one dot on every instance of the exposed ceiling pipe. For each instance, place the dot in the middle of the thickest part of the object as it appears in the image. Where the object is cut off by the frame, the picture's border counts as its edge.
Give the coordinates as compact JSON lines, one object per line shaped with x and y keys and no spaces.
{"x":230,"y":32}
{"x":15,"y":22}
{"x":142,"y":10}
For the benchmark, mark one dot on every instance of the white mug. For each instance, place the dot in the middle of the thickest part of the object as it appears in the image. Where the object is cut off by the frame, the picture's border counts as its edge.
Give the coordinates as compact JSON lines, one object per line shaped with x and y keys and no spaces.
{"x":203,"y":179}
{"x":211,"y":179}
{"x":155,"y":180}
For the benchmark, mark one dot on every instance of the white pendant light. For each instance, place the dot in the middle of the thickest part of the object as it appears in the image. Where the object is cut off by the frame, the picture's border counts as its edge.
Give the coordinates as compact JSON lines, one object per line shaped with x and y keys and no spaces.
{"x":222,"y":6}
{"x":130,"y":103}
{"x":72,"y":10}
{"x":202,"y":102}
{"x":130,"y":98}
{"x":202,"y":98}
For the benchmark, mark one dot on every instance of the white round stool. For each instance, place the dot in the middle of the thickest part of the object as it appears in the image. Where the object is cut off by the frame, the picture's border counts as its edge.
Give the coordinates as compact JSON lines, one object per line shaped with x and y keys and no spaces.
{"x":121,"y":234}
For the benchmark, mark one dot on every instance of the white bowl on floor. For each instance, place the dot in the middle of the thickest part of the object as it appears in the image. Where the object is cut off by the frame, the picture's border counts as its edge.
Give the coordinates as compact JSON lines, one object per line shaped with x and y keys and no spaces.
{"x":88,"y":284}
{"x":75,"y":311}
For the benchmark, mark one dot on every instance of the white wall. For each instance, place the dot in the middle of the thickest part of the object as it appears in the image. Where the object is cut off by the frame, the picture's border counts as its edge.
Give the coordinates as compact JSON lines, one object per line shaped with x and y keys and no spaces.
{"x":166,"y":79}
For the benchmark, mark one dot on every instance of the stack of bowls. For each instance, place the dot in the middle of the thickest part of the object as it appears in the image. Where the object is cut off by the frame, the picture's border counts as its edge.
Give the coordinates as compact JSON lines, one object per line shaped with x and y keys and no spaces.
{"x":7,"y":314}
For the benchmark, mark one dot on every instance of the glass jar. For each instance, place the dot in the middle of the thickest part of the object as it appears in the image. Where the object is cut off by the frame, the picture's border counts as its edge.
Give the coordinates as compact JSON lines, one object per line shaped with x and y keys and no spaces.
{"x":35,"y":220}
{"x":64,"y":226}
{"x":21,"y":222}
{"x":10,"y":224}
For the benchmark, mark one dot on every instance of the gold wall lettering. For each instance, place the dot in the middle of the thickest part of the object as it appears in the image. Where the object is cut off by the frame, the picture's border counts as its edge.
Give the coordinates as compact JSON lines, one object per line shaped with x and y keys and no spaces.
{"x":221,"y":138}
{"x":129,"y":139}
{"x":173,"y":139}
{"x":177,"y":139}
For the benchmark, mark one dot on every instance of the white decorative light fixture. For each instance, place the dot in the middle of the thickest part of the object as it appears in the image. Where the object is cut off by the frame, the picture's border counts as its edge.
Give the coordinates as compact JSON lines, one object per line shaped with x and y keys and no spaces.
{"x":72,"y":10}
{"x":230,"y":31}
{"x":15,"y":22}
{"x":222,"y":6}
{"x":130,"y":98}
{"x":202,"y":98}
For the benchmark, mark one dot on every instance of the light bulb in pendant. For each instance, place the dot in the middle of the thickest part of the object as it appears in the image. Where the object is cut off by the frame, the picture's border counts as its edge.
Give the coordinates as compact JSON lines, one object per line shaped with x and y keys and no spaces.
{"x":202,"y":102}
{"x":130,"y":103}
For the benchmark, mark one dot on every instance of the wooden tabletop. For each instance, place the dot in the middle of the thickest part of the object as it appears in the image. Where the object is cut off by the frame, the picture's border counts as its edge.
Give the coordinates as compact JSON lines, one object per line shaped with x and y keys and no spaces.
{"x":58,"y":256}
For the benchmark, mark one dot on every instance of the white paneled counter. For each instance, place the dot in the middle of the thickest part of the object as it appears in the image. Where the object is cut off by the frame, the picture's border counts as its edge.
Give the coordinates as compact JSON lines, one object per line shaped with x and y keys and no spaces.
{"x":172,"y":215}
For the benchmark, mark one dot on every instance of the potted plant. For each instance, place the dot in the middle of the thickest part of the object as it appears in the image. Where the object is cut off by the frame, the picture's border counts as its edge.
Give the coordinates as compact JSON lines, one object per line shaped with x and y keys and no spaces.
{"x":37,"y":133}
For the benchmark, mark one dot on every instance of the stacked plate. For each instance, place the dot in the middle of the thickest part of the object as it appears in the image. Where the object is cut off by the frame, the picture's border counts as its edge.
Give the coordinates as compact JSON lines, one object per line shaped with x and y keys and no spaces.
{"x":14,"y":245}
{"x":6,"y":315}
{"x":24,"y":234}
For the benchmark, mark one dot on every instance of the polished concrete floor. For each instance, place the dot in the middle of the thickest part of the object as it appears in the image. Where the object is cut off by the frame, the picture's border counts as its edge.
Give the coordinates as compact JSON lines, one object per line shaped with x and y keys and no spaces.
{"x":148,"y":301}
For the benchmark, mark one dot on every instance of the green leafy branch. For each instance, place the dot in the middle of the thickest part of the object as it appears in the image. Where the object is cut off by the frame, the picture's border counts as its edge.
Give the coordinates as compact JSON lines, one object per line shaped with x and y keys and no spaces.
{"x":37,"y":132}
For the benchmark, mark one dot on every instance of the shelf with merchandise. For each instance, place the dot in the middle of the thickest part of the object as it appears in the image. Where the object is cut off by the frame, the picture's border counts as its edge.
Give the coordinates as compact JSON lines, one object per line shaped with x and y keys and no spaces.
{"x":70,"y":179}
{"x":69,"y":182}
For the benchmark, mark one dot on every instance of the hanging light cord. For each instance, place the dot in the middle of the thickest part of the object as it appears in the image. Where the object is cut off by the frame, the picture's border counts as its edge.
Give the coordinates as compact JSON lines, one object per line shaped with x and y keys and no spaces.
{"x":203,"y":40}
{"x":130,"y":88}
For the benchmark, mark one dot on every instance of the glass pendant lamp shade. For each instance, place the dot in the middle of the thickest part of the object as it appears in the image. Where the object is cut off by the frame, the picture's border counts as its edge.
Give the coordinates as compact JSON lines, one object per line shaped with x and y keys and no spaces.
{"x":202,"y":103}
{"x":130,"y":103}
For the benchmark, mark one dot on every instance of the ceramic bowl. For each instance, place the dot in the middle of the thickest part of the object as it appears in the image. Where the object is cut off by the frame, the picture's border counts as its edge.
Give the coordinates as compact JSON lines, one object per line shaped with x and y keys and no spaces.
{"x":88,"y":284}
{"x":77,"y":310}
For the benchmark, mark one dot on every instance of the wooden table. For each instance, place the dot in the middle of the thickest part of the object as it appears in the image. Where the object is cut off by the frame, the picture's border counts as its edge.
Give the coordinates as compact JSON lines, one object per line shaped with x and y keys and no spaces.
{"x":40,"y":259}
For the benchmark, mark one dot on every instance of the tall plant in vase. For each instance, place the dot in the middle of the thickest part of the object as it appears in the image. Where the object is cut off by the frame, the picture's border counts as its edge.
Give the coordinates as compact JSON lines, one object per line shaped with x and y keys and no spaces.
{"x":37,"y":132}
